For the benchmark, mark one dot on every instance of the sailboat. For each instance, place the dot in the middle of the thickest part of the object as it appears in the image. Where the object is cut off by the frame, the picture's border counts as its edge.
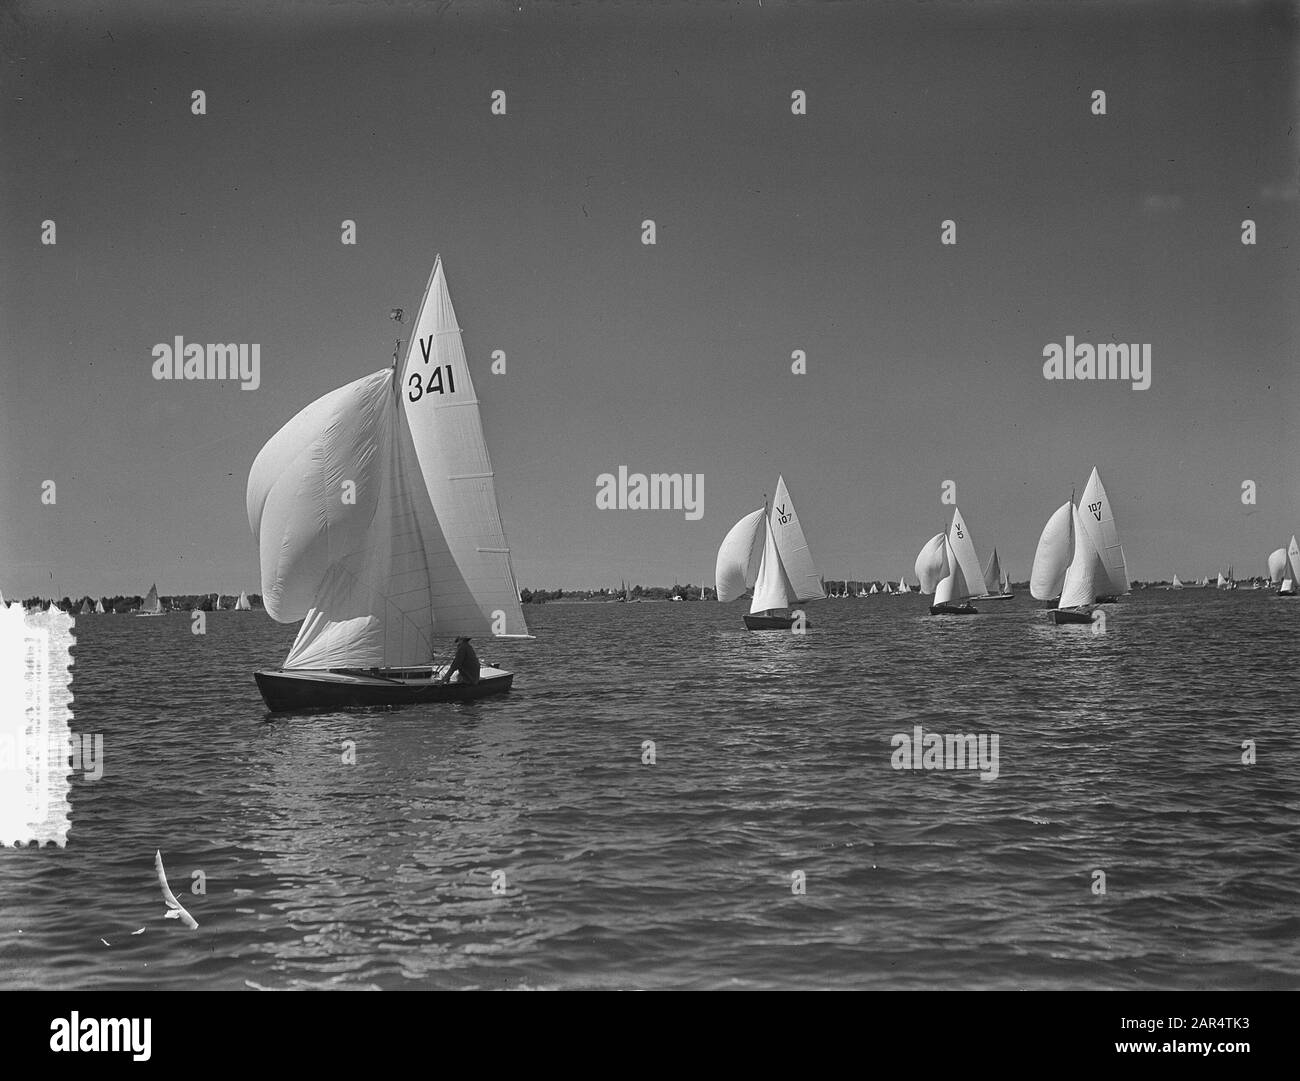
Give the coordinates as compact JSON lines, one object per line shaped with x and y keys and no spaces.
{"x":1204,"y":582}
{"x":874,"y":589}
{"x":85,"y":609}
{"x":151,"y":605}
{"x":994,"y":587}
{"x":1176,"y":583}
{"x":1082,"y":576}
{"x":99,"y":607}
{"x":1006,"y":584}
{"x":769,"y":554}
{"x":948,"y":567}
{"x":242,"y":604}
{"x":421,"y":552}
{"x":1291,"y":572}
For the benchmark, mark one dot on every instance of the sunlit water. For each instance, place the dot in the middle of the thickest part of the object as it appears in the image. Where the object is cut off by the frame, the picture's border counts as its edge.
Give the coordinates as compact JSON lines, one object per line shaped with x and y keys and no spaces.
{"x":1119,"y":753}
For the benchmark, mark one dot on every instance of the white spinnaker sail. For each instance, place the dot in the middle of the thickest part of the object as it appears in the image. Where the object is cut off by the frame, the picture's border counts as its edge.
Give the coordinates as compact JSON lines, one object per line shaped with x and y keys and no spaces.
{"x":1052,"y":557}
{"x":378,"y":576}
{"x":739,"y":556}
{"x":932,"y":563}
{"x":1086,"y":571}
{"x":151,"y":602}
{"x":1098,"y":520}
{"x":993,"y":575}
{"x":1277,"y":566}
{"x":792,"y":545}
{"x":970,"y":581}
{"x":771,"y":589}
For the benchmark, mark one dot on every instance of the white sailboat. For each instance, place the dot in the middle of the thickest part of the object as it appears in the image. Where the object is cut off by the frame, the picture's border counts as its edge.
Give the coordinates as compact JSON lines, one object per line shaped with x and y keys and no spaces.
{"x":769,"y":554}
{"x":948,"y":567}
{"x":99,"y":607}
{"x":874,"y":589}
{"x":421,"y":552}
{"x":1276,"y":566}
{"x":85,"y":609}
{"x":242,"y":604}
{"x":1204,"y":582}
{"x":151,"y":606}
{"x":994,"y":587}
{"x":1222,"y":583}
{"x":1291,"y":572}
{"x":1176,"y":583}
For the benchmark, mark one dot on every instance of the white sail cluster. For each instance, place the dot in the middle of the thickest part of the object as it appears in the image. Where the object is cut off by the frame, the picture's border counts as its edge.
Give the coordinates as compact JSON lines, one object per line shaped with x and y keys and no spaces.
{"x":376,"y":516}
{"x":948,"y":567}
{"x":768,"y":553}
{"x":1079,"y":556}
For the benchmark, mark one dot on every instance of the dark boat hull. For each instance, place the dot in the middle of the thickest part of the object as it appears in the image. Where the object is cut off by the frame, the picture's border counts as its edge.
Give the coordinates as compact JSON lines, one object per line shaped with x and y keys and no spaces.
{"x":1108,"y":600}
{"x":771,"y":623}
{"x":1069,"y":615}
{"x":948,"y":609}
{"x":291,"y":690}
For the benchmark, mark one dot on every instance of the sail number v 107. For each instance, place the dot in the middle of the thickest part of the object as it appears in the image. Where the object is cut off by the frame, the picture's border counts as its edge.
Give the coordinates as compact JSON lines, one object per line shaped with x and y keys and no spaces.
{"x":432,"y":385}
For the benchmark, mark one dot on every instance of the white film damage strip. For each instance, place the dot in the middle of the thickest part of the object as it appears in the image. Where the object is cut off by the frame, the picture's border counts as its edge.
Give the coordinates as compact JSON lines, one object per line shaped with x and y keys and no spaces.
{"x":35,"y":743}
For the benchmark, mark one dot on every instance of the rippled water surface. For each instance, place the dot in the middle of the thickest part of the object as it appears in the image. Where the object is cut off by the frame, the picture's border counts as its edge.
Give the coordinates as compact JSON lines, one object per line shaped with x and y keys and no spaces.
{"x":1119,"y":752}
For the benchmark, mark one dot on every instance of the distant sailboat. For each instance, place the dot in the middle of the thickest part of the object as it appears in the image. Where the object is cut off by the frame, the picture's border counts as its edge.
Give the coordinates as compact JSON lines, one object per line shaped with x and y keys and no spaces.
{"x":242,"y":604}
{"x":99,"y":607}
{"x":1176,"y":583}
{"x":85,"y":609}
{"x":994,"y":589}
{"x":1276,"y":567}
{"x":1222,"y":583}
{"x":948,"y":567}
{"x":1291,"y":572}
{"x":420,"y":553}
{"x":1204,"y":582}
{"x":768,"y":553}
{"x":151,"y":605}
{"x":874,"y":589}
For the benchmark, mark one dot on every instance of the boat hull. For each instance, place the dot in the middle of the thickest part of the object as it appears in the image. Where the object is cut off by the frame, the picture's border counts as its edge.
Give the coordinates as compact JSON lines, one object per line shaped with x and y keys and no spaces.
{"x":771,"y":623}
{"x":1069,"y":615}
{"x":997,"y":597}
{"x":949,"y":609}
{"x":1110,"y":599}
{"x":296,"y":689}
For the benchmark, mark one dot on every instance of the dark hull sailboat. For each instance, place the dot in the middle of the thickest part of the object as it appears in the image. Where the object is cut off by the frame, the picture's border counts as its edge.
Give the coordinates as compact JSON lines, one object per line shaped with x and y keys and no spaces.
{"x":1070,"y":615}
{"x":949,"y":609}
{"x":288,"y":690}
{"x":419,"y":554}
{"x":771,"y":623}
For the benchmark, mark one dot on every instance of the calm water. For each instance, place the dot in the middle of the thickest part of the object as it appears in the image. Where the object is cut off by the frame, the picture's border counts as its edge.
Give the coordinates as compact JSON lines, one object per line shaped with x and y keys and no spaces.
{"x":1119,"y":752}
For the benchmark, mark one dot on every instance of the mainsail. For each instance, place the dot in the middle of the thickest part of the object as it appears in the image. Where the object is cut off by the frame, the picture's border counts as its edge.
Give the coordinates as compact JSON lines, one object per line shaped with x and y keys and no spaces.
{"x":99,"y":607}
{"x":85,"y":609}
{"x":242,"y":604}
{"x":1098,"y":521}
{"x":418,"y":550}
{"x":993,"y":575}
{"x":804,"y":582}
{"x":1176,"y":583}
{"x":1052,"y":558}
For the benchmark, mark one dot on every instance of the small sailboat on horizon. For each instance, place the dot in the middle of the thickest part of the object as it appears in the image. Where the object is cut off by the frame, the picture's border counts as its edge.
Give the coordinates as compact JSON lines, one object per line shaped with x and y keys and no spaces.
{"x":151,"y":605}
{"x":1079,"y":561}
{"x":996,"y":587}
{"x":243,"y":605}
{"x":768,"y":553}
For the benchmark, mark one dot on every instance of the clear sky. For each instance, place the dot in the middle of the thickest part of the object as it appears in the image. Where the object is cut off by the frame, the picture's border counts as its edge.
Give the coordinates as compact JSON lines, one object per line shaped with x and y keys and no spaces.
{"x":775,"y":232}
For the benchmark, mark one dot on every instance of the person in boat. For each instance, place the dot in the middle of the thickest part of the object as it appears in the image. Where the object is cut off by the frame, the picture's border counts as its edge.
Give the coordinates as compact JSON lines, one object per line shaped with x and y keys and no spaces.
{"x":464,"y":667}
